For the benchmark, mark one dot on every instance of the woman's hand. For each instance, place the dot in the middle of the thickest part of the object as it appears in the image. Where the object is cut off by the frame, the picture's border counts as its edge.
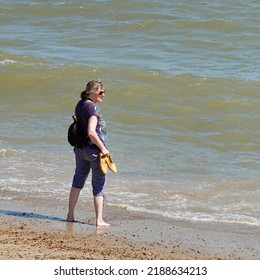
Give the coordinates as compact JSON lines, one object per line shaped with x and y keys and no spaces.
{"x":105,"y":151}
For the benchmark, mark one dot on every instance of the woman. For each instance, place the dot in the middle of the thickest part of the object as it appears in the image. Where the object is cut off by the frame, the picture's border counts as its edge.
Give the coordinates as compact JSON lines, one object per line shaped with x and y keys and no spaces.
{"x":93,"y":124}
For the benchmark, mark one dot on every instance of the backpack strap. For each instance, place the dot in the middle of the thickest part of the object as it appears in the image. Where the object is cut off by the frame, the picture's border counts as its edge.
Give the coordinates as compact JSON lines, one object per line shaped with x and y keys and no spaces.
{"x":75,"y":118}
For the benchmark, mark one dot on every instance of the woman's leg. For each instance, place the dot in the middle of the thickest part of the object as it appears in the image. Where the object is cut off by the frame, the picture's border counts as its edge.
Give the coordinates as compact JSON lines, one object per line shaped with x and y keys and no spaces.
{"x":98,"y":188}
{"x":79,"y":179}
{"x":73,"y":198}
{"x":98,"y":204}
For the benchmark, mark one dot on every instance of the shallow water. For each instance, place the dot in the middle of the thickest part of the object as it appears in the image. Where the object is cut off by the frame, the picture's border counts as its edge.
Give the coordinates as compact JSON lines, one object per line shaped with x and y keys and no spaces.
{"x":182,"y":102}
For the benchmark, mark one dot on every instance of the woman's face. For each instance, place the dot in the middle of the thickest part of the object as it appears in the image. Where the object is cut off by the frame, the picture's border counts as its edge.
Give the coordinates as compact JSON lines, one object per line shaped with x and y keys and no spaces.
{"x":98,"y":95}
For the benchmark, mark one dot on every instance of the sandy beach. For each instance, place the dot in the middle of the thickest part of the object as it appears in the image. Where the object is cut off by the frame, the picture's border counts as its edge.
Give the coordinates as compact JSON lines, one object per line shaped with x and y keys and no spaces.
{"x":33,"y":231}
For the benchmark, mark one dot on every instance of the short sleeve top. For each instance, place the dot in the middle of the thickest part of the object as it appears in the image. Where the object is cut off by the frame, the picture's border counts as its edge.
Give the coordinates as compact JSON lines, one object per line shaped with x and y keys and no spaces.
{"x":91,"y":109}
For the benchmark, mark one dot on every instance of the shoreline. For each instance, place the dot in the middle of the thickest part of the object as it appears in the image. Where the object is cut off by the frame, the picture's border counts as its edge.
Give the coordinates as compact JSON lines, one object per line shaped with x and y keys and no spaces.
{"x":34,"y":231}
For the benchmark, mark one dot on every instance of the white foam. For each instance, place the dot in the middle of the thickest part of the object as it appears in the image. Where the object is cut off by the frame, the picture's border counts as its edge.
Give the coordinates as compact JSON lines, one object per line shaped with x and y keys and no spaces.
{"x":7,"y":62}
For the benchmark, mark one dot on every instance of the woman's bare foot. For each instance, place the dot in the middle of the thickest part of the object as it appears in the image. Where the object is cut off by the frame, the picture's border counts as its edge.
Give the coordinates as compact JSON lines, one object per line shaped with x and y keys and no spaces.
{"x":70,"y":219}
{"x":101,"y":223}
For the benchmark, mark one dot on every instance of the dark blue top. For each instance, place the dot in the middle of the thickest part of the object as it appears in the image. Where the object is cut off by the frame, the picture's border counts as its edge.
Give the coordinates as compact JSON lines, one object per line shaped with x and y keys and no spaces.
{"x":84,"y":111}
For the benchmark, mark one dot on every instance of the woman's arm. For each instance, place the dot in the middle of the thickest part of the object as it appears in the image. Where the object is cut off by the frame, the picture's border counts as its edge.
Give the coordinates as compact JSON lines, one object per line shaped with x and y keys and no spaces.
{"x":92,"y":124}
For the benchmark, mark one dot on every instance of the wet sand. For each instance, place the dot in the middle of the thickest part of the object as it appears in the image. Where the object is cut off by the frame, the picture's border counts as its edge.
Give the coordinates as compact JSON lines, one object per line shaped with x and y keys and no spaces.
{"x":34,"y":231}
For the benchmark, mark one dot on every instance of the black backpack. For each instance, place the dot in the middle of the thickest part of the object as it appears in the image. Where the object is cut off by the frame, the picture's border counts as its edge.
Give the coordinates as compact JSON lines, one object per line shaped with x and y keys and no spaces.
{"x":76,"y":136}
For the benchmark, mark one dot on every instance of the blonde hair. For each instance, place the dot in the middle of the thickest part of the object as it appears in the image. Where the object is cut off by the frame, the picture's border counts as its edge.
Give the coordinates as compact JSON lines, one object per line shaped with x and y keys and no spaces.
{"x":91,"y":86}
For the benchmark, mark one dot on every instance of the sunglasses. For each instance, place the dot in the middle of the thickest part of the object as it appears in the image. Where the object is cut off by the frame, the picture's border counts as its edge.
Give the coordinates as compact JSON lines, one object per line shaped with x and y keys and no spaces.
{"x":101,"y":92}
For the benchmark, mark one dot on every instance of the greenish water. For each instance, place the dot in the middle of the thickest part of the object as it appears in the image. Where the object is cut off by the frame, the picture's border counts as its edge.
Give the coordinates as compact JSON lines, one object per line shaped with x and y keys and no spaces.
{"x":182,"y":102}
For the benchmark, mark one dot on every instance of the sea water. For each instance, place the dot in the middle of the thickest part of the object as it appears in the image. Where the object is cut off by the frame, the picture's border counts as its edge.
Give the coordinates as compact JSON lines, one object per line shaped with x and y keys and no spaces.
{"x":182,"y":102}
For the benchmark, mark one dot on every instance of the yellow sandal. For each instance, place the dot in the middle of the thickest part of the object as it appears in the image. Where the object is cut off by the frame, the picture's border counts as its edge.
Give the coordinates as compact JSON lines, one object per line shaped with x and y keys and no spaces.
{"x":110,"y":163}
{"x":102,"y":163}
{"x":106,"y":161}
